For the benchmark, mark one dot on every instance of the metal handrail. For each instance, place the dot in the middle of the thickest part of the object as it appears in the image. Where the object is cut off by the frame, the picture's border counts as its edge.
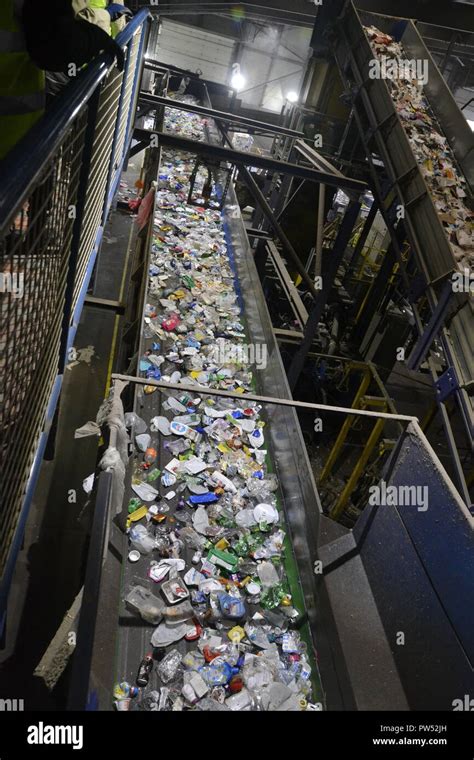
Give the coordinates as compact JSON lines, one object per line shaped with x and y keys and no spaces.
{"x":24,"y":163}
{"x":60,"y":162}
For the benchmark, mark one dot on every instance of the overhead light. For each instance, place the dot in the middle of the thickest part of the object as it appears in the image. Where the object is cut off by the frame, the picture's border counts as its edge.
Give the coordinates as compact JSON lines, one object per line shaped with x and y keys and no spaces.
{"x":292,"y":96}
{"x":238,"y":81}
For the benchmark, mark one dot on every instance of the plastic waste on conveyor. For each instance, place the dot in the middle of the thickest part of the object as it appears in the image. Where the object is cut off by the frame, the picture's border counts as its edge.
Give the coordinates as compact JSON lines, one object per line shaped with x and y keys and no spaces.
{"x":430,"y":146}
{"x":207,"y":582}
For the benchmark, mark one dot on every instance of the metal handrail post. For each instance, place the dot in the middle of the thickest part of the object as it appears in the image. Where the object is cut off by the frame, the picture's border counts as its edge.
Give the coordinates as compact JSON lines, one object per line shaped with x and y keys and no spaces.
{"x":136,"y":85}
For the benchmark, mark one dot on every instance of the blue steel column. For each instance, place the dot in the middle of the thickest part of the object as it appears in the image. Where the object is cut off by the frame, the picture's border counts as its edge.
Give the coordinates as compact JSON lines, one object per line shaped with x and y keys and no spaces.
{"x":432,"y":329}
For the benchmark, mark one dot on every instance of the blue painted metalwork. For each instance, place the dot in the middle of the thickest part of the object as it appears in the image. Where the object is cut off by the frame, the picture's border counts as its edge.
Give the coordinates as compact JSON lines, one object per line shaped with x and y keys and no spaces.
{"x":419,"y":560}
{"x":417,"y":288}
{"x":446,"y":384}
{"x":83,"y":292}
{"x":401,"y":587}
{"x":20,"y":171}
{"x":432,"y":329}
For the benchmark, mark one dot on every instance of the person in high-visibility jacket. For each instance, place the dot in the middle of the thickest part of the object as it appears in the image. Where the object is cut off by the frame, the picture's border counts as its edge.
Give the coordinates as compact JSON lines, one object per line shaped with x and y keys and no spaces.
{"x":32,"y":42}
{"x":108,"y":16}
{"x":21,"y":81}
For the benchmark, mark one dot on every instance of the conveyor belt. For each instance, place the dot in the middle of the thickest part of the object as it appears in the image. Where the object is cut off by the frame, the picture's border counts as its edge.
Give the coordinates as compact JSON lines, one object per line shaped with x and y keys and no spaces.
{"x":377,"y":116}
{"x":297,"y":499}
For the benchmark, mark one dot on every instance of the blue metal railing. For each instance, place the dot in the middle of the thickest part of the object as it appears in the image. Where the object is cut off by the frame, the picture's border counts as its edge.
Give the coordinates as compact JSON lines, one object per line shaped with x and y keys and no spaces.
{"x":57,"y":186}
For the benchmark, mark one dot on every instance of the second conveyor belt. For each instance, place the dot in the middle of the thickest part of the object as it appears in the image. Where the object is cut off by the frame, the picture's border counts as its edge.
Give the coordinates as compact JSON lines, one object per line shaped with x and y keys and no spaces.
{"x":378,"y":118}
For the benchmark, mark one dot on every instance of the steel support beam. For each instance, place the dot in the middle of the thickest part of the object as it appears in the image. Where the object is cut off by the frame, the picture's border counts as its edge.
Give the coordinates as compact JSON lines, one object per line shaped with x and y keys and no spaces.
{"x":158,"y":66}
{"x":241,"y":158}
{"x":105,"y":303}
{"x":268,"y":211}
{"x":290,"y":199}
{"x":297,"y":305}
{"x":259,"y":234}
{"x":320,"y":232}
{"x":311,"y":327}
{"x":377,"y":291}
{"x":270,"y":214}
{"x":437,"y":321}
{"x":138,"y":147}
{"x":212,"y":113}
{"x":288,"y":336}
{"x":316,"y":159}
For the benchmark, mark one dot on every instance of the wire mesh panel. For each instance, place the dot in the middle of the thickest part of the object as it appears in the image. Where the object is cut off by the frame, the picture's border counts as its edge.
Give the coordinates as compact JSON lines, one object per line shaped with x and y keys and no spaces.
{"x":99,"y":167}
{"x":49,"y":229}
{"x":127,"y":92}
{"x":34,"y":252}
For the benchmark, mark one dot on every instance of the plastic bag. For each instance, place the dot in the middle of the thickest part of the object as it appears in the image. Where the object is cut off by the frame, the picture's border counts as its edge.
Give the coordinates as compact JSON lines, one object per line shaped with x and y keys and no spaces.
{"x":193,"y":539}
{"x":168,"y":633}
{"x":257,"y":673}
{"x":268,"y":575}
{"x":141,"y":539}
{"x":132,"y":420}
{"x":143,"y":602}
{"x":231,"y":607}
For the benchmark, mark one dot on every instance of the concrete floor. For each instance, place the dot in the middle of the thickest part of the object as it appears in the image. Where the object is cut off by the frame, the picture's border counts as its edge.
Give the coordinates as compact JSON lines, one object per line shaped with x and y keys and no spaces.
{"x":50,"y":568}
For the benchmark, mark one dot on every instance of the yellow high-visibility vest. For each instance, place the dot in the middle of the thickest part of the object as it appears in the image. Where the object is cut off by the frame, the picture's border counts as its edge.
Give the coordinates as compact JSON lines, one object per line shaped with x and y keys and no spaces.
{"x":22,"y":83}
{"x":95,"y":11}
{"x":116,"y":26}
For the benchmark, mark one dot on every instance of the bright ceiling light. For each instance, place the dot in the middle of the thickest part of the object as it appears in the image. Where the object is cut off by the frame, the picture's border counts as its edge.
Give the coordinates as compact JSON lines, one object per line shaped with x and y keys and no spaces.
{"x":238,"y":81}
{"x":292,"y":96}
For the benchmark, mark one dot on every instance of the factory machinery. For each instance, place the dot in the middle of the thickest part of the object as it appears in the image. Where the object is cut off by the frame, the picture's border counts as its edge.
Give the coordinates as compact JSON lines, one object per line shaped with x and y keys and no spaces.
{"x":385,"y":588}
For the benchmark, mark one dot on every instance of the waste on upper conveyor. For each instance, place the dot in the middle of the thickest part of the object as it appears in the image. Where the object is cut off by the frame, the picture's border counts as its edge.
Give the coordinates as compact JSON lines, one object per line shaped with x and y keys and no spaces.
{"x":204,"y":525}
{"x":430,"y":146}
